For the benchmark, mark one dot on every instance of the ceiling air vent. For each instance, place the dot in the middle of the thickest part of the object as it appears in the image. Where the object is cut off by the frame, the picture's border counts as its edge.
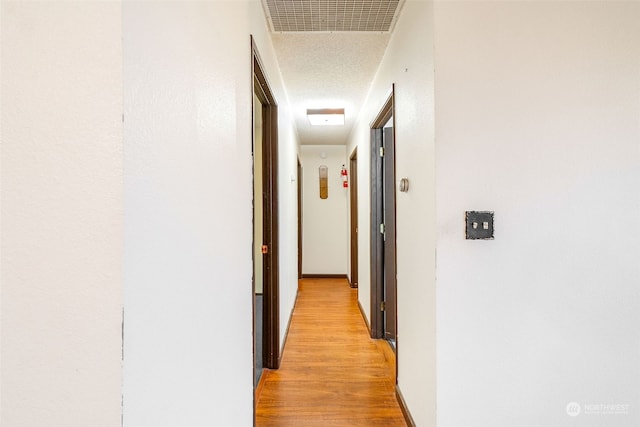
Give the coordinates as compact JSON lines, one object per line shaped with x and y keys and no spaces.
{"x":331,"y":15}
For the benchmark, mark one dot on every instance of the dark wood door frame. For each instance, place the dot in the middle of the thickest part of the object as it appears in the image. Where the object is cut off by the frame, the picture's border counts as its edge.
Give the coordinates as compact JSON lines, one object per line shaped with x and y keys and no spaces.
{"x":271,"y":334}
{"x":299,"y":219}
{"x":377,"y":219}
{"x":353,"y":200}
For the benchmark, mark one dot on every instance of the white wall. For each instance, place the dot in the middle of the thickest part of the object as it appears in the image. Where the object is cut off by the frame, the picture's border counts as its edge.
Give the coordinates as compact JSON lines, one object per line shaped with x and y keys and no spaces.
{"x":62,"y":216}
{"x":360,"y":138}
{"x":538,"y":119}
{"x":188,"y":211}
{"x":325,"y":238}
{"x":408,"y":63}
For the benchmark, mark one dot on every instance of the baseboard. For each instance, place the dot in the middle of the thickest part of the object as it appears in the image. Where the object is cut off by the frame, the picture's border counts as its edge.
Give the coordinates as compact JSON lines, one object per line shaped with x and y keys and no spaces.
{"x":405,"y":410}
{"x":325,"y":276}
{"x":260,"y":386}
{"x":364,"y":317}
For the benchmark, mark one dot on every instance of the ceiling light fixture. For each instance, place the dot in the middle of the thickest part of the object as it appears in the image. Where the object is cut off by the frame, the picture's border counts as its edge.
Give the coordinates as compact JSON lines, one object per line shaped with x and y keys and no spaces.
{"x":326,"y":117}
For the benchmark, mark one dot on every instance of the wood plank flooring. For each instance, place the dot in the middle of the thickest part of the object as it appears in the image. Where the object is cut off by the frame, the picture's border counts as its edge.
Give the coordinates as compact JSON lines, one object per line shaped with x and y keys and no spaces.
{"x":332,"y":373}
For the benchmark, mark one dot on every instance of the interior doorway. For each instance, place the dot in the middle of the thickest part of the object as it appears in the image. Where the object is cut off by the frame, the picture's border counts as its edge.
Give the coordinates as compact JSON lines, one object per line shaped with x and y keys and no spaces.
{"x":353,"y":204}
{"x":258,"y":238}
{"x":383,"y":226}
{"x":265,"y":220}
{"x":389,"y":234}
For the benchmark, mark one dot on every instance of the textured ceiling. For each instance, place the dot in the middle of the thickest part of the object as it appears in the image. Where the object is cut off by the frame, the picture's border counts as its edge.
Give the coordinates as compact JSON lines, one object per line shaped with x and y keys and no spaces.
{"x":328,"y":70}
{"x":330,"y":15}
{"x":329,"y":52}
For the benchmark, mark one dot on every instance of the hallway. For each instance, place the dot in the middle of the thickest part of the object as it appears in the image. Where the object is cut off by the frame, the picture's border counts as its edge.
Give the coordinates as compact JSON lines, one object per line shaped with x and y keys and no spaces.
{"x":332,"y":373}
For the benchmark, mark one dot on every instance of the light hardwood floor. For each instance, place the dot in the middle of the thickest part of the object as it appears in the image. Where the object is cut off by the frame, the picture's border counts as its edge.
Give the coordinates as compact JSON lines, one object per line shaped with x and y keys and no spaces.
{"x":332,"y":373}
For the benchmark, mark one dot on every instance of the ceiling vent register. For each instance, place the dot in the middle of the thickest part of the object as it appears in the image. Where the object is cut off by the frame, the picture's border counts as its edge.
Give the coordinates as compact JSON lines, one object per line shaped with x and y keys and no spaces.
{"x":331,"y":15}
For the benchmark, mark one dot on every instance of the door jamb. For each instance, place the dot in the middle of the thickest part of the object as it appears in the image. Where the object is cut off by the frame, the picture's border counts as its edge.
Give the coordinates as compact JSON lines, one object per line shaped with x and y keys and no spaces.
{"x":299,"y":219}
{"x":271,"y":331}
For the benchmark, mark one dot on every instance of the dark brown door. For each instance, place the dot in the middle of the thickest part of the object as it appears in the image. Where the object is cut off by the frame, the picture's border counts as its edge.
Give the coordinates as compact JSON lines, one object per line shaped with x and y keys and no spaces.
{"x":383,"y":225}
{"x":353,"y":196}
{"x":389,"y":208}
{"x":299,"y":219}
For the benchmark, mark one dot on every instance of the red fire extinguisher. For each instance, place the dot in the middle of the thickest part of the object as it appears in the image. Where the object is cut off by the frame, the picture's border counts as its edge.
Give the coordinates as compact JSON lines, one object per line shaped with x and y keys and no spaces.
{"x":345,"y":178}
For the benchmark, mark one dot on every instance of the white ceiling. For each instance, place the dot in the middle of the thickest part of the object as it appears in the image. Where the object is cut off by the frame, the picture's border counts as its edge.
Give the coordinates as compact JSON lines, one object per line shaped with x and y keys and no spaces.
{"x":328,"y":70}
{"x":329,"y":52}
